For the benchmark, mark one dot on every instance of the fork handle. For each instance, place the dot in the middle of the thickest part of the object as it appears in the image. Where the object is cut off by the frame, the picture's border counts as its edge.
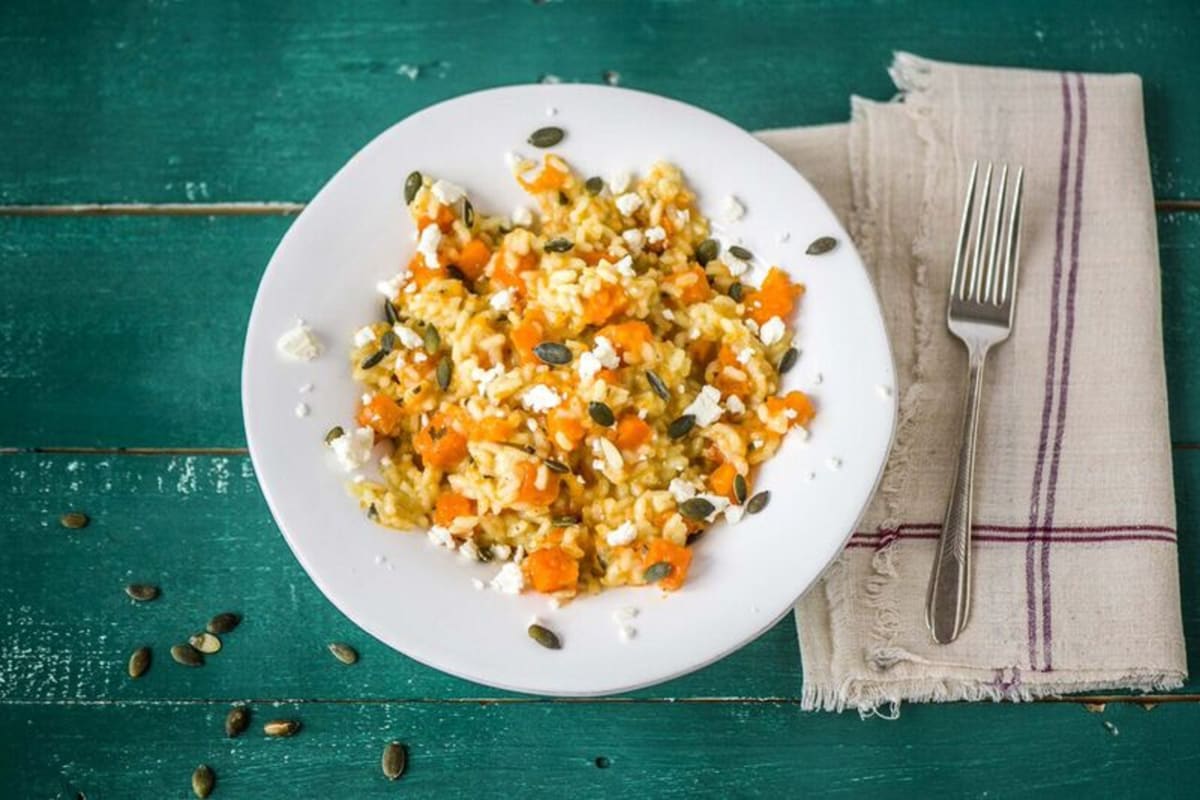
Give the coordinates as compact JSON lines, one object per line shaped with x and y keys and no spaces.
{"x":949,"y":600}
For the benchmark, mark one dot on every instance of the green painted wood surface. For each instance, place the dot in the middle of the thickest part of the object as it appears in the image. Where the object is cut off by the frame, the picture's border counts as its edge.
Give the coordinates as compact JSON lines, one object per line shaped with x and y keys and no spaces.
{"x":126,"y":331}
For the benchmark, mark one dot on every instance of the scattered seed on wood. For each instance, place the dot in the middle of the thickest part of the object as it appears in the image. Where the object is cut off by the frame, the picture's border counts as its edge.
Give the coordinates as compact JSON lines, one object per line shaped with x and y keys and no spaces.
{"x":553,"y":353}
{"x":74,"y":520}
{"x":142,"y":592}
{"x":282,"y":727}
{"x":412,"y":185}
{"x":139,"y":662}
{"x":656,"y":572}
{"x":223,"y":623}
{"x":389,"y":311}
{"x":431,"y":339}
{"x":545,"y":637}
{"x":187,"y":655}
{"x":444,"y":369}
{"x":737,"y":251}
{"x":336,"y":432}
{"x":373,"y":359}
{"x":696,"y":508}
{"x":395,"y":759}
{"x":758,"y":502}
{"x":343,"y":652}
{"x":205,"y":642}
{"x":739,"y":488}
{"x":656,"y":383}
{"x":707,"y":250}
{"x":559,"y":245}
{"x":203,"y":781}
{"x":468,"y":214}
{"x":822,"y":245}
{"x":546,"y":137}
{"x":594,"y":185}
{"x":566,"y":520}
{"x":554,"y":465}
{"x":737,"y":292}
{"x":601,"y":414}
{"x":681,"y":426}
{"x":236,"y":721}
{"x":789,"y":360}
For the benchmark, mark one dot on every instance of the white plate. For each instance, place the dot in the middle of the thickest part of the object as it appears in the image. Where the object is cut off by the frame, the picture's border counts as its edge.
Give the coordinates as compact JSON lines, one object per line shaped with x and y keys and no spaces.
{"x":420,"y":600}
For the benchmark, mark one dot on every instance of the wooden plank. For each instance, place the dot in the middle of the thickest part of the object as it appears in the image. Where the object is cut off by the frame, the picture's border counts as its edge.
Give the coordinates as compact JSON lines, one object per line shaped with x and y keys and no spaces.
{"x":127,"y":331}
{"x":197,"y":526}
{"x":151,"y":101}
{"x":533,"y":750}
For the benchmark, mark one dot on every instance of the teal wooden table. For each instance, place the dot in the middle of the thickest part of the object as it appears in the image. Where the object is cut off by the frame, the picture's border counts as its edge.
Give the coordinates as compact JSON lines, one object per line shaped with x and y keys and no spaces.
{"x":152,"y":154}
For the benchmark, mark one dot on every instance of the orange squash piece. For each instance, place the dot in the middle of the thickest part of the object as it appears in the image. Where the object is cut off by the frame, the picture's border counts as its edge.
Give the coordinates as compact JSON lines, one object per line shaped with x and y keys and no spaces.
{"x":529,"y":491}
{"x":528,"y":334}
{"x":551,"y":569}
{"x":627,"y":339}
{"x":492,"y":429}
{"x":450,"y":506}
{"x":560,"y":421}
{"x":692,"y":283}
{"x":382,"y":414}
{"x":679,"y":557}
{"x":632,"y":432}
{"x":473,"y":257}
{"x":441,"y":443}
{"x":608,"y":301}
{"x":547,"y":180}
{"x":510,"y":276}
{"x":721,"y":481}
{"x":444,"y":218}
{"x":775,"y":298}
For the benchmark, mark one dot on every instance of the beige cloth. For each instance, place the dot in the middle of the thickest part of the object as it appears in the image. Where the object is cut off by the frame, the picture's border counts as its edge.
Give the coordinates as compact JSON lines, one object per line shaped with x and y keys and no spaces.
{"x":1076,"y":581}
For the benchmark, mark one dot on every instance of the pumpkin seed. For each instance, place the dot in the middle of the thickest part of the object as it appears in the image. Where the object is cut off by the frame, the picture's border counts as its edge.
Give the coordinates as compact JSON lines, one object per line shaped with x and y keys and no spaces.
{"x":142,"y":592}
{"x":223,"y":623}
{"x":187,"y":655}
{"x":412,"y":185}
{"x":389,"y":311}
{"x":559,"y":245}
{"x":737,"y":292}
{"x":388,"y":342}
{"x":822,"y":245}
{"x":737,"y":251}
{"x":282,"y":727}
{"x":566,"y":520}
{"x":554,"y":465}
{"x":696,"y":508}
{"x":758,"y":502}
{"x":681,"y":426}
{"x":739,"y":488}
{"x":455,"y":272}
{"x":562,"y":198}
{"x":431,"y":338}
{"x":444,"y":368}
{"x":236,"y":721}
{"x":594,"y":185}
{"x":373,"y":359}
{"x":707,"y":250}
{"x":656,"y":572}
{"x":468,"y":214}
{"x":546,"y":137}
{"x":336,"y":432}
{"x":395,"y":759}
{"x":544,"y":636}
{"x":553,"y":353}
{"x":524,"y":448}
{"x":139,"y":662}
{"x":205,"y":642}
{"x":74,"y":520}
{"x":343,"y":652}
{"x":656,"y":383}
{"x":203,"y":781}
{"x":601,"y":414}
{"x":789,"y":360}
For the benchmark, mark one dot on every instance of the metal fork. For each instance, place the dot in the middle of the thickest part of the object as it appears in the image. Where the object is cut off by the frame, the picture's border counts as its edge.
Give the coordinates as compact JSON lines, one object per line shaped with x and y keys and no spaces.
{"x":983,"y":299}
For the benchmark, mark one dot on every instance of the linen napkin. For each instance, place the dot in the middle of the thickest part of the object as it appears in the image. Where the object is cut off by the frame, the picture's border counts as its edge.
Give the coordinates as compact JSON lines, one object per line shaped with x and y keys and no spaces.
{"x":1075,"y":583}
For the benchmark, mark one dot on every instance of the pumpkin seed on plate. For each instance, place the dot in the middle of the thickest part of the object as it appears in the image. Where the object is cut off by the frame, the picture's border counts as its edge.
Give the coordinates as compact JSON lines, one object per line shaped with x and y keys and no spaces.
{"x":707,"y":250}
{"x":205,"y":642}
{"x":388,"y":342}
{"x":696,"y":508}
{"x":389,"y":311}
{"x":594,"y":185}
{"x":822,"y":245}
{"x":657,"y":571}
{"x":74,"y":520}
{"x":203,"y":781}
{"x":554,"y":465}
{"x":739,"y":488}
{"x":431,"y":338}
{"x":737,"y":251}
{"x":656,"y":383}
{"x":566,"y":520}
{"x":558,"y":245}
{"x":444,"y":369}
{"x":236,"y":721}
{"x":758,"y":502}
{"x":553,"y":353}
{"x":336,"y":432}
{"x":601,"y":414}
{"x":789,"y":360}
{"x":545,"y":637}
{"x":546,"y":137}
{"x":373,"y":359}
{"x":737,"y":292}
{"x":282,"y":727}
{"x":343,"y":652}
{"x":395,"y":759}
{"x":142,"y":592}
{"x":139,"y":662}
{"x":681,"y":426}
{"x":468,"y":214}
{"x":412,"y":185}
{"x":187,"y":655}
{"x":223,"y":623}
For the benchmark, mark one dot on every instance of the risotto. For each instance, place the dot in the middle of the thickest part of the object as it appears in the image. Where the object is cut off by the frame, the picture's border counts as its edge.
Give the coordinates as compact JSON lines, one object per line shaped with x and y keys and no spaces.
{"x":577,"y":390}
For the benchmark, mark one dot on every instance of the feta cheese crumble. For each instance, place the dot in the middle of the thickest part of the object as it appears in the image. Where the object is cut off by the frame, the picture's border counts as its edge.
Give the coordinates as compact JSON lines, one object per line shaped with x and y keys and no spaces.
{"x":772,"y":331}
{"x":655,"y":234}
{"x":364,"y":336}
{"x":509,"y":580}
{"x":299,"y":343}
{"x":731,"y":209}
{"x":442,"y":537}
{"x":353,"y":449}
{"x":681,"y":490}
{"x":624,"y":267}
{"x":744,"y":355}
{"x":522,"y":217}
{"x":589,"y":365}
{"x":431,"y":238}
{"x":737,"y":267}
{"x":606,"y":353}
{"x":407,"y":336}
{"x":447,"y":193}
{"x":735,"y":405}
{"x":706,"y":407}
{"x":634,"y":239}
{"x":301,"y":410}
{"x":622,"y":535}
{"x":628,"y":203}
{"x":501,"y":300}
{"x":619,"y":181}
{"x":540,"y":398}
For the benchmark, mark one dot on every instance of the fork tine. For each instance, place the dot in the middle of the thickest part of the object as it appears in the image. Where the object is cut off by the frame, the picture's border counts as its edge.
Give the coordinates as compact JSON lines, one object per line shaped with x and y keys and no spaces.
{"x":960,"y":250}
{"x":977,"y":259}
{"x":1012,"y":251}
{"x":990,"y":280}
